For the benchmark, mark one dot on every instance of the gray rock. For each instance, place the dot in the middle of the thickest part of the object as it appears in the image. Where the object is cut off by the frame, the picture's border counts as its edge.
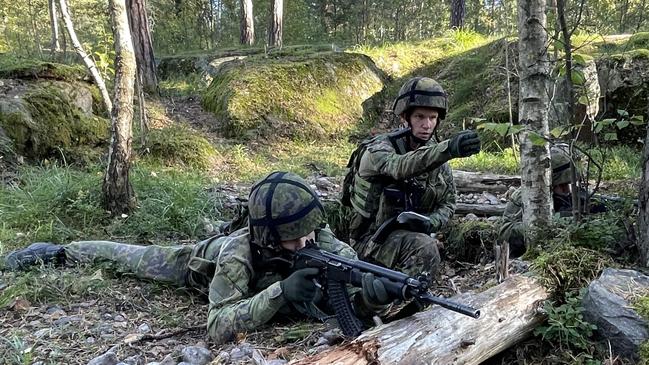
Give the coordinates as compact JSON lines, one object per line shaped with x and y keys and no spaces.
{"x":119,"y":318}
{"x":108,"y":358}
{"x":196,"y":355}
{"x":38,"y":363}
{"x":277,"y":362}
{"x":241,"y":353}
{"x":471,"y":217}
{"x":106,"y":316}
{"x":152,"y":363}
{"x":42,"y":332}
{"x":606,"y":304}
{"x":133,"y":360}
{"x":67,"y":319}
{"x":90,"y":340}
{"x":493,"y":200}
{"x":144,"y":328}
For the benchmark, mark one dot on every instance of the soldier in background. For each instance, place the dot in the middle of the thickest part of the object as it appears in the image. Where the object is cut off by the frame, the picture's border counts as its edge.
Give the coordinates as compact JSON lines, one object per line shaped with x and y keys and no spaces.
{"x":247,"y":274}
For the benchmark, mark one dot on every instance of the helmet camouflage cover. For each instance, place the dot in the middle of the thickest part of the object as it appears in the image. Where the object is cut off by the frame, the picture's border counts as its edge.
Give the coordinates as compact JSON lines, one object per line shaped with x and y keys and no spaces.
{"x":421,"y":92}
{"x":560,"y":162}
{"x":283,"y":207}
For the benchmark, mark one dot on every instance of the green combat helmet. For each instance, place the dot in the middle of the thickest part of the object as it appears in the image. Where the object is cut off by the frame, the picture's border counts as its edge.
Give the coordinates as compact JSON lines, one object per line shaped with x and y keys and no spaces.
{"x":560,"y":162}
{"x":282,"y":207}
{"x":421,"y":92}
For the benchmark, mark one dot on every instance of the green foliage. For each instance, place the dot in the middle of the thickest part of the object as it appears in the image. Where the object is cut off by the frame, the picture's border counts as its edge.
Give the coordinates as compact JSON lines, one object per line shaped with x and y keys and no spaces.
{"x":61,"y":204}
{"x":178,"y":145}
{"x":619,"y":162}
{"x":470,"y":241}
{"x":638,"y":40}
{"x":564,"y":268}
{"x":641,"y":305}
{"x":566,"y":325}
{"x":505,"y":162}
{"x":316,"y":96}
{"x":643,"y":353}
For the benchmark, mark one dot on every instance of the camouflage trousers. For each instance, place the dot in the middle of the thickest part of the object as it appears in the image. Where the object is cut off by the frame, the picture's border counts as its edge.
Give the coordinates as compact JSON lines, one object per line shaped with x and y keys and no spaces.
{"x":184,"y":266}
{"x":410,"y":252}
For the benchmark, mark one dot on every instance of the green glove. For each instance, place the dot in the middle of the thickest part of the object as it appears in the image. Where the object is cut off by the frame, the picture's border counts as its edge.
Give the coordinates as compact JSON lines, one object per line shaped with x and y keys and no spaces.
{"x":374,"y":291}
{"x":300,"y":286}
{"x":464,"y":144}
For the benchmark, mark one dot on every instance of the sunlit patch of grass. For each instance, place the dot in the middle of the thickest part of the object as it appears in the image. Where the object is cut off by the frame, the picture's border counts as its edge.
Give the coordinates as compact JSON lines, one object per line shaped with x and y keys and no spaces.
{"x":504,"y":162}
{"x":240,"y":163}
{"x":182,"y":85}
{"x":620,"y":162}
{"x":399,"y":59}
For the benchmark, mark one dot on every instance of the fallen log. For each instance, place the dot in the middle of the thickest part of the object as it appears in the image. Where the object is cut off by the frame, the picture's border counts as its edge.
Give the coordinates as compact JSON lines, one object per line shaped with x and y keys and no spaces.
{"x":466,"y":181}
{"x":509,"y":313}
{"x":481,"y":210}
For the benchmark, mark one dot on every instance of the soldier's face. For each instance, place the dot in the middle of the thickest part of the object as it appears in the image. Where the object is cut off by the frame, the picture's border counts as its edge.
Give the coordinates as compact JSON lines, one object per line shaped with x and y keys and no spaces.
{"x":423,"y":122}
{"x":298,"y":243}
{"x":561,"y":189}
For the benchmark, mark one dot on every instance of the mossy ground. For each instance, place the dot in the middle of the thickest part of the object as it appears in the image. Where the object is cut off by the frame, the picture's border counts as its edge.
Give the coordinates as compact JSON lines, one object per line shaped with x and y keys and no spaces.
{"x":18,"y":68}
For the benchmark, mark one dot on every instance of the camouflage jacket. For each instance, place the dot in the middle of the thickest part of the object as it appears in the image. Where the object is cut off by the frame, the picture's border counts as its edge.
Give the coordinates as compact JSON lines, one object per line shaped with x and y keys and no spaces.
{"x":391,"y":178}
{"x":242,"y":297}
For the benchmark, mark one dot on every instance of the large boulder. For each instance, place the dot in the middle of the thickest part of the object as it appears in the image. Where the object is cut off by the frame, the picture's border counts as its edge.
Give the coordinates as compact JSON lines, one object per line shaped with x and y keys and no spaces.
{"x":315,"y":96}
{"x":607,"y":305}
{"x":50,"y":115}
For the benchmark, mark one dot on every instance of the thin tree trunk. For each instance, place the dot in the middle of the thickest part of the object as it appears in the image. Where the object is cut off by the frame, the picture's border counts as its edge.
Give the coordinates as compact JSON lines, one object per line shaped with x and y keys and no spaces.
{"x":54,"y":23}
{"x":276,"y":23}
{"x":143,"y":44}
{"x":144,"y":120}
{"x":119,"y":197}
{"x":457,"y":14}
{"x":90,"y":64}
{"x":567,"y":49}
{"x":643,"y":202}
{"x":533,"y":113}
{"x":247,"y":23}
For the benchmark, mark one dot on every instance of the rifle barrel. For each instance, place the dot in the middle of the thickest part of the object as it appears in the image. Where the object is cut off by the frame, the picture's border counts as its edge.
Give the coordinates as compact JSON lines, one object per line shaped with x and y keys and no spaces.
{"x":456,"y":307}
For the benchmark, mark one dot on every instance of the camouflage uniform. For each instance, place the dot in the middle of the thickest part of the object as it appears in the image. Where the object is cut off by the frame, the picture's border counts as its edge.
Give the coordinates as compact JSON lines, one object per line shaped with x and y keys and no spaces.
{"x":429,"y":190}
{"x":242,"y":295}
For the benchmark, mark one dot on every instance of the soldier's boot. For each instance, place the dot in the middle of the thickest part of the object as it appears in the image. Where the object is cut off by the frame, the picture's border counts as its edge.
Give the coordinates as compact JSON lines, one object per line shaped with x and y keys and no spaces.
{"x":33,"y":254}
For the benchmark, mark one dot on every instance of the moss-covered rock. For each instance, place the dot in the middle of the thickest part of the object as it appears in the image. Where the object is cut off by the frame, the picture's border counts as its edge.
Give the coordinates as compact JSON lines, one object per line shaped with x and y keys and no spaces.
{"x":320,"y":95}
{"x":50,"y":119}
{"x":33,"y":69}
{"x":178,"y":145}
{"x":470,"y":240}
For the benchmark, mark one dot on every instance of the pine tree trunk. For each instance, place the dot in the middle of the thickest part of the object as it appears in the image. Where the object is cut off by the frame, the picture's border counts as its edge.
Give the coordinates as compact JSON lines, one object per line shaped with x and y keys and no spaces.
{"x":457,"y":14}
{"x":533,"y":113}
{"x":87,"y":60}
{"x":247,"y":23}
{"x":54,"y":24}
{"x":144,"y":55}
{"x":276,"y":24}
{"x":643,"y":201}
{"x":119,"y":197}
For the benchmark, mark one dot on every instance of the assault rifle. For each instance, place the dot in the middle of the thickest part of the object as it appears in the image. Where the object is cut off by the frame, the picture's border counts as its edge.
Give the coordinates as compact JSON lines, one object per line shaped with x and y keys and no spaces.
{"x":337,"y":271}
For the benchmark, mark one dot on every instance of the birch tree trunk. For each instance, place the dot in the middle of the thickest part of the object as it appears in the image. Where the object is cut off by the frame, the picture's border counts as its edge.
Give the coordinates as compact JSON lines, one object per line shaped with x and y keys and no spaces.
{"x":118,"y":194}
{"x":643,"y":202}
{"x":534,"y":99}
{"x":144,"y":55}
{"x":54,"y":24}
{"x":276,"y":24}
{"x":247,"y":23}
{"x":90,"y":64}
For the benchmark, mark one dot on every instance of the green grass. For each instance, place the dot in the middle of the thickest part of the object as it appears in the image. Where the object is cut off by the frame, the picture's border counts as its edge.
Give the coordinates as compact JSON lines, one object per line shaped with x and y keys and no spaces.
{"x":304,"y":158}
{"x":182,"y":85}
{"x":493,"y":162}
{"x":60,"y":204}
{"x":620,"y":162}
{"x":399,"y":59}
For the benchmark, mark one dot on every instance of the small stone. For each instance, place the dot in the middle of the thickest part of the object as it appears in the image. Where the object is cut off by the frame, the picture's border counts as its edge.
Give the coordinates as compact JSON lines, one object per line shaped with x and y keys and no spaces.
{"x":132,"y":360}
{"x":108,"y":358}
{"x":153,"y":363}
{"x":90,"y":340}
{"x":144,"y":328}
{"x":238,"y":355}
{"x":119,"y":318}
{"x":67,"y":319}
{"x":106,"y":316}
{"x":42,"y":332}
{"x":54,"y":309}
{"x":196,"y":355}
{"x":38,"y":363}
{"x":470,"y":217}
{"x":277,"y":362}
